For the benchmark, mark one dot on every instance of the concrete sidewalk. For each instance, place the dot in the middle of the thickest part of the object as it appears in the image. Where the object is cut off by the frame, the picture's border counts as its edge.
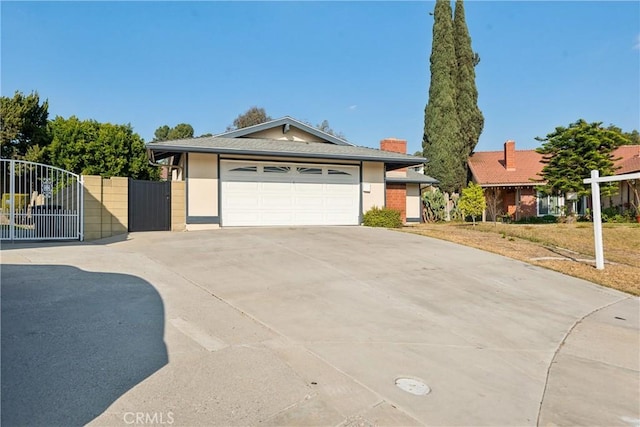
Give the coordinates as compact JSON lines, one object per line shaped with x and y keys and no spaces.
{"x":310,"y":326}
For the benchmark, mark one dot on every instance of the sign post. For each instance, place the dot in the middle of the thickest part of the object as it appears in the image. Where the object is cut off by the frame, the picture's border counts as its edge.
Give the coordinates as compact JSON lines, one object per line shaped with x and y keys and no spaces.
{"x":595,"y":181}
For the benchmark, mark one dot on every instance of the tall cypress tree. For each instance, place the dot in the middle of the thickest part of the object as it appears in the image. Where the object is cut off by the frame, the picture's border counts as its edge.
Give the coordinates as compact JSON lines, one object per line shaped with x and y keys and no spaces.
{"x":442,"y":141}
{"x":470,"y":116}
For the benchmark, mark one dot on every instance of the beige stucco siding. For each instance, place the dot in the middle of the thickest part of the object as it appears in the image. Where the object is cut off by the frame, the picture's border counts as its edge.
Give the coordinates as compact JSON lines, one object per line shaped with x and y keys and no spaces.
{"x":372,"y":185}
{"x":177,"y":174}
{"x":413,"y":201}
{"x":202,"y":184}
{"x":293,"y":134}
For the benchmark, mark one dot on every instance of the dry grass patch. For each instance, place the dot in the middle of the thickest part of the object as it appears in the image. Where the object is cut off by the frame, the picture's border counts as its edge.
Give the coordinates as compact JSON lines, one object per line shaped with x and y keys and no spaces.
{"x":567,"y":248}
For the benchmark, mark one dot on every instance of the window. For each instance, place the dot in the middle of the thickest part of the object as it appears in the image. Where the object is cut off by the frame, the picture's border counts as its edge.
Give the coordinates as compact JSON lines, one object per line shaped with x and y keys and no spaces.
{"x":548,"y":204}
{"x":310,"y":171}
{"x":338,"y":172}
{"x":276,"y":169}
{"x":245,"y":169}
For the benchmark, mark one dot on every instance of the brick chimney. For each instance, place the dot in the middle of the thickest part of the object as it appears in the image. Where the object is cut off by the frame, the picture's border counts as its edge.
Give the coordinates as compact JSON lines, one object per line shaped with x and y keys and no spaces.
{"x":510,"y":155}
{"x":394,"y":144}
{"x":396,"y":193}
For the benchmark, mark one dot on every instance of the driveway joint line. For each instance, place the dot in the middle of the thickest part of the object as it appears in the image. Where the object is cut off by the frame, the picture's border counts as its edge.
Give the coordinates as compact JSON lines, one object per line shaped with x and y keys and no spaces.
{"x":562,"y":342}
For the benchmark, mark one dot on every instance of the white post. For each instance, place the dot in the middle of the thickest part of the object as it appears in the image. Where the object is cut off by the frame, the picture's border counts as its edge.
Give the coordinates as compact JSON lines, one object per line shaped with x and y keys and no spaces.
{"x":597,"y":219}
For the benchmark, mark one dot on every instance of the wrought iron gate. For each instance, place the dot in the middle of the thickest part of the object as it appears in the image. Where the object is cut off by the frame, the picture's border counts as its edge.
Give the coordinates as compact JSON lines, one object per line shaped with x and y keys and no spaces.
{"x":39,"y":202}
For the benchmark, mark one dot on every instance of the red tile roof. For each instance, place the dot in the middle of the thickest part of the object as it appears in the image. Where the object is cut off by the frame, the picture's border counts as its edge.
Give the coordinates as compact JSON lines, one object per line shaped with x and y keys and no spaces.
{"x":630,"y":159}
{"x":488,"y":168}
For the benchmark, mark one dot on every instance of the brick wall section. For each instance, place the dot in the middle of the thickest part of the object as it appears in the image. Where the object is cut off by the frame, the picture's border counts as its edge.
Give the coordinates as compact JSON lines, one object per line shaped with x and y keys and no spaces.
{"x":106,"y":206}
{"x":396,"y":193}
{"x":528,"y":203}
{"x":178,"y":206}
{"x":397,"y":198}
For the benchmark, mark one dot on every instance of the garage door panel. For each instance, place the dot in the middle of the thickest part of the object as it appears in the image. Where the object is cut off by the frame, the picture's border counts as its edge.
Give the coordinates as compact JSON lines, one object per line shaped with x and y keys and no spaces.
{"x":242,"y":187}
{"x":308,"y":203}
{"x":263,"y":193}
{"x":276,"y":201}
{"x":276,"y":187}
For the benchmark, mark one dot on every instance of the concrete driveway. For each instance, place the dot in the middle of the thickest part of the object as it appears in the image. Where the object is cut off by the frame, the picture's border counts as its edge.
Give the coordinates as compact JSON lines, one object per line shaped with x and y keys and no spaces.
{"x":308,"y":326}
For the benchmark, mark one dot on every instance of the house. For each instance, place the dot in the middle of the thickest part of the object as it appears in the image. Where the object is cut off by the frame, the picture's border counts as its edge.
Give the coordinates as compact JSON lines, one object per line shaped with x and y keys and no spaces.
{"x":285,"y":172}
{"x":509,"y":176}
{"x":627,"y":160}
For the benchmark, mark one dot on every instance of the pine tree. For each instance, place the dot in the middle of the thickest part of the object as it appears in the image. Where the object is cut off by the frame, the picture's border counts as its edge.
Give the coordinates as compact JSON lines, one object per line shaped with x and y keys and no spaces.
{"x":470,"y":116}
{"x":570,"y":154}
{"x":442,"y":141}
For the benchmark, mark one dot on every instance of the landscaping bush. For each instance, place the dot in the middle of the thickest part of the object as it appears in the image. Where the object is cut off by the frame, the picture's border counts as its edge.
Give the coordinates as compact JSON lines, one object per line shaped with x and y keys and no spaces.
{"x":376,"y":217}
{"x":614,"y":214}
{"x":547,"y":219}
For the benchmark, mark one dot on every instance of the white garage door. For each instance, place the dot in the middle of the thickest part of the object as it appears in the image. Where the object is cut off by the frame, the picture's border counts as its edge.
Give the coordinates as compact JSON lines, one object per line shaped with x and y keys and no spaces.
{"x":262,"y":193}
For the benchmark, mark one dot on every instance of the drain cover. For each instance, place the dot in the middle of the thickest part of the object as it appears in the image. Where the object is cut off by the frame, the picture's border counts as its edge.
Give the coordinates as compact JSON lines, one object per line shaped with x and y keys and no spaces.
{"x":413,"y":386}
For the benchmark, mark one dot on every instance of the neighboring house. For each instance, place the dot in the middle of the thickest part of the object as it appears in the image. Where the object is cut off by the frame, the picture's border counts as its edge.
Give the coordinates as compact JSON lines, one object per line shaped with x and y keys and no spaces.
{"x":285,"y":172}
{"x":628,"y":161}
{"x":509,"y":176}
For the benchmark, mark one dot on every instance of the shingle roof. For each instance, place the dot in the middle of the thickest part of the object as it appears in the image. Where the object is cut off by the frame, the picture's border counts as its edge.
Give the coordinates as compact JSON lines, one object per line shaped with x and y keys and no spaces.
{"x":487,"y":167}
{"x":413,"y":177}
{"x":281,"y":148}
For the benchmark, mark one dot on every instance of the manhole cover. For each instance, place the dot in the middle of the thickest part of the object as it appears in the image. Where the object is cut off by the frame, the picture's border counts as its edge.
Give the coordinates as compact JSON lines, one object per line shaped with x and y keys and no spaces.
{"x":413,"y":386}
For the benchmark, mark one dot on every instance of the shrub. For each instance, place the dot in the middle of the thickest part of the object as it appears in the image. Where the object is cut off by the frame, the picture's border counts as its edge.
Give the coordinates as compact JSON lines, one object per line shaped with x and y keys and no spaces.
{"x":377,"y":217}
{"x":472,"y":203}
{"x":434,"y":205}
{"x":547,"y":219}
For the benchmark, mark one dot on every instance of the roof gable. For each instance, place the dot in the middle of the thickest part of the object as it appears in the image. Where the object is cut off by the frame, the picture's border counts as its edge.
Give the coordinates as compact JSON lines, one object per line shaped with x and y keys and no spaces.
{"x":285,"y":128}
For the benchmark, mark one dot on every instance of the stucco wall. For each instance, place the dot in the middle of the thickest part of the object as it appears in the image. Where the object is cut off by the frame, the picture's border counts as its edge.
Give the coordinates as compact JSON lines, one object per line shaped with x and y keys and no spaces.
{"x":202,"y":185}
{"x":293,"y":134}
{"x":373,"y":181}
{"x":414,"y":203}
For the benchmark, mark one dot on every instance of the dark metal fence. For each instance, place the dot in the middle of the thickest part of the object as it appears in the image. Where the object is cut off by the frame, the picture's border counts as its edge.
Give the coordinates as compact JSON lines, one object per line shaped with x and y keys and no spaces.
{"x":149,"y":205}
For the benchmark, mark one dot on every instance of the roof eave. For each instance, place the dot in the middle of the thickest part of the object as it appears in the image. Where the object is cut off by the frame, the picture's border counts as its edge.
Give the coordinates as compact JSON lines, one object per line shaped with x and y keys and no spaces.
{"x":396,"y":162}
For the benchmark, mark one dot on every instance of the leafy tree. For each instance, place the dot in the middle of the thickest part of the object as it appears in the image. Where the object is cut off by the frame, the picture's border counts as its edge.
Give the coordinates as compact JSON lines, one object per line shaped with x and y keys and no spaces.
{"x":92,"y":148}
{"x":442,"y":139}
{"x":470,"y":116}
{"x":180,"y":131}
{"x":570,"y":154}
{"x":472,"y":201}
{"x":23,"y":126}
{"x":253,"y":116}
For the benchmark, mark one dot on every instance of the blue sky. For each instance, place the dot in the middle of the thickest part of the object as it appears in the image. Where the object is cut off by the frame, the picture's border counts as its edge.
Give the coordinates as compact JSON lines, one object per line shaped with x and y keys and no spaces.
{"x":363,"y":66}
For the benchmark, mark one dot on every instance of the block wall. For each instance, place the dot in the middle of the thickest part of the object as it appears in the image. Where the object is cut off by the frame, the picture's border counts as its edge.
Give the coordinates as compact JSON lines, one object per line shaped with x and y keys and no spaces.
{"x":106,"y":206}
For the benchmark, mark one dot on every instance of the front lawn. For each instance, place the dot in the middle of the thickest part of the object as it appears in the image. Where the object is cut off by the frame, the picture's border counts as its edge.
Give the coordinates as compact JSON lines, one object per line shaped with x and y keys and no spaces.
{"x":567,"y":248}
